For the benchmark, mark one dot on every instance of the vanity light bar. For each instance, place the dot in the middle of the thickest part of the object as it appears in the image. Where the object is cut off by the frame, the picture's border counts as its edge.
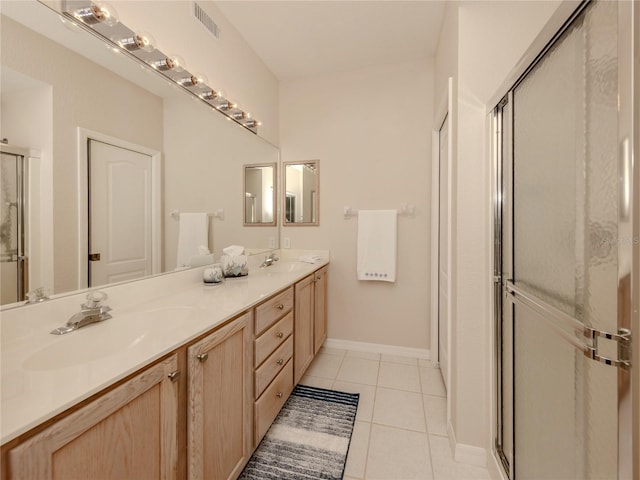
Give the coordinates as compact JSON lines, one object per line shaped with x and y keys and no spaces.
{"x":100,"y":19}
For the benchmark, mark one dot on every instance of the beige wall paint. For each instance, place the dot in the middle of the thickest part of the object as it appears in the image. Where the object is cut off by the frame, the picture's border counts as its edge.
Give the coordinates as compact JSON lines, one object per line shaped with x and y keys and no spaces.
{"x":228,"y":63}
{"x":215,"y":151}
{"x":79,"y":104}
{"x":491,"y":39}
{"x":370,"y":129}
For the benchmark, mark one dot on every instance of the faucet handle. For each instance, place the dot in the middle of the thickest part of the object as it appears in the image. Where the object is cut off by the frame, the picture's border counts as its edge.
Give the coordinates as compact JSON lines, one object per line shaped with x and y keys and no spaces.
{"x":95,"y":298}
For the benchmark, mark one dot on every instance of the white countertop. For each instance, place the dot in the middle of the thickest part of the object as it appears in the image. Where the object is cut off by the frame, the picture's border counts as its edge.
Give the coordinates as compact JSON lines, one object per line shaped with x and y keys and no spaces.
{"x":42,"y":375}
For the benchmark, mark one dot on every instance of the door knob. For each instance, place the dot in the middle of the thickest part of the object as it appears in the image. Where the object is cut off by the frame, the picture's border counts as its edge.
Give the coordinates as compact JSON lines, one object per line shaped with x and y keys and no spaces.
{"x":202,"y":357}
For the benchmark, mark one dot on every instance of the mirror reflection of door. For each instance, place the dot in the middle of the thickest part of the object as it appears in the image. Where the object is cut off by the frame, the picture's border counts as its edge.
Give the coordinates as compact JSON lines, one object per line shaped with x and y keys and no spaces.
{"x":120,"y":200}
{"x":290,"y":207}
{"x":443,"y":242}
{"x":301,"y":193}
{"x":259,"y":194}
{"x":12,"y":227}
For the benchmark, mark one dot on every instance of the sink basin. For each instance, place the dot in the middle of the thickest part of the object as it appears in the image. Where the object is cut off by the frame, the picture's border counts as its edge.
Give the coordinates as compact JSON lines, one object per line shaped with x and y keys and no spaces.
{"x":104,"y":339}
{"x":286,"y":267}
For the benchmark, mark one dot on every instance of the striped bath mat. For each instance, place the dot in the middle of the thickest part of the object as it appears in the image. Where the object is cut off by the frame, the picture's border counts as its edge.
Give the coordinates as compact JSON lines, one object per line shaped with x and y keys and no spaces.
{"x":309,"y":438}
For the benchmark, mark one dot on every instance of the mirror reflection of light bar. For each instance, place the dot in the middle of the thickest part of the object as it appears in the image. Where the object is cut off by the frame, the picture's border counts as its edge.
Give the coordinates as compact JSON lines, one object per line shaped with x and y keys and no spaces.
{"x":100,"y":16}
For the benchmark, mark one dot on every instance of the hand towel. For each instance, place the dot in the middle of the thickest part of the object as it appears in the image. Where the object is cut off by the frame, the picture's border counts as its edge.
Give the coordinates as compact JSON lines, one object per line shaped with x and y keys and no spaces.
{"x":233,"y":250}
{"x":377,"y":245}
{"x":193,"y":234}
{"x":310,"y":258}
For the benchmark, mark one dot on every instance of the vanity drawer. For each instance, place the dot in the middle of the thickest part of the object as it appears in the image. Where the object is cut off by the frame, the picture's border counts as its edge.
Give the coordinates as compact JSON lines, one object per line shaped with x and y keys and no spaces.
{"x":270,"y":368}
{"x":266,"y":343}
{"x":272,"y":400}
{"x":272,"y":310}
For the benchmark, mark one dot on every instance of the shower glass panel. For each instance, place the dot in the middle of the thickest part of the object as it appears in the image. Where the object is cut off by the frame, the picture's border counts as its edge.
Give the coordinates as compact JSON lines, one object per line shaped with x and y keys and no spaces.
{"x":12,"y":257}
{"x":565,"y":254}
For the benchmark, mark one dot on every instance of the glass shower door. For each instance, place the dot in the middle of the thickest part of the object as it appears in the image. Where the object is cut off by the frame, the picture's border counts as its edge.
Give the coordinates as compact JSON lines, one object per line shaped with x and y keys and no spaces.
{"x":562,"y":264}
{"x":12,"y":225}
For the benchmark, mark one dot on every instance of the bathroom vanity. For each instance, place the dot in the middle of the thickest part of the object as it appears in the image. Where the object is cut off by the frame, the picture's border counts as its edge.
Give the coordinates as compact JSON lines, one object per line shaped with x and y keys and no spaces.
{"x":182,"y":382}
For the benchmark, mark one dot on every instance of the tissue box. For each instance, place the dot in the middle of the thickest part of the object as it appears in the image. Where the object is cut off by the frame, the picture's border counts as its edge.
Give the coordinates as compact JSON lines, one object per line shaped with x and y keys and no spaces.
{"x":234,"y":265}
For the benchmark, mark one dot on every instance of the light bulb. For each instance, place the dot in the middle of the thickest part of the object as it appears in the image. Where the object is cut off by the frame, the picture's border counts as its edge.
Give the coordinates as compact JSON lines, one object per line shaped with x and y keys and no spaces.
{"x":97,"y":13}
{"x":139,"y":41}
{"x":210,"y":95}
{"x":169,"y":63}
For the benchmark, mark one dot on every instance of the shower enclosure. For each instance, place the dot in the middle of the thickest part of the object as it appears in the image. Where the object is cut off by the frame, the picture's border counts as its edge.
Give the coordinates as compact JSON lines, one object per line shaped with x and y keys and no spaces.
{"x":13,"y":221}
{"x":566,"y":250}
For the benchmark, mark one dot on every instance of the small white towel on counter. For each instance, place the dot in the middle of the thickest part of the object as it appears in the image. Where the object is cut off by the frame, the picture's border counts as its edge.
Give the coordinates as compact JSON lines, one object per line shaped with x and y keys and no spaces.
{"x":193,"y":236}
{"x":377,"y":245}
{"x":232,"y":250}
{"x":310,"y":258}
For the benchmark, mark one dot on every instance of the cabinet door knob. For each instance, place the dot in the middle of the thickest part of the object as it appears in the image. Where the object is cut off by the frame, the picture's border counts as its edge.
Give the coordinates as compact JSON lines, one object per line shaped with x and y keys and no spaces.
{"x":279,"y":394}
{"x":280,"y":335}
{"x":202,"y":357}
{"x":280,"y":306}
{"x":173,"y":376}
{"x":280,"y":361}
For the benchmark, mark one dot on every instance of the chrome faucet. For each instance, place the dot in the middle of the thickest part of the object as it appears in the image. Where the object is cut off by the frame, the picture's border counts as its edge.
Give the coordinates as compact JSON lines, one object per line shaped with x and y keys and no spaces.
{"x":90,"y":312}
{"x":269,"y":260}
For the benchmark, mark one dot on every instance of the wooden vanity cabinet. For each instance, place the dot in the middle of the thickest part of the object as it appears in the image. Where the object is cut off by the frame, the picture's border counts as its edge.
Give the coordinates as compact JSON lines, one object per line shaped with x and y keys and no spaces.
{"x":130,"y":432}
{"x":310,"y":319}
{"x":220,"y":401}
{"x":273,"y":376}
{"x":321,"y":279}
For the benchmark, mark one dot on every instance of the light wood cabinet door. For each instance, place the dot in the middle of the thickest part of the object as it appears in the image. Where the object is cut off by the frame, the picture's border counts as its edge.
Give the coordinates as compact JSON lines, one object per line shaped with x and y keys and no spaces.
{"x":127,"y":433}
{"x":320,"y":308}
{"x":220,"y":397}
{"x":303,"y":326}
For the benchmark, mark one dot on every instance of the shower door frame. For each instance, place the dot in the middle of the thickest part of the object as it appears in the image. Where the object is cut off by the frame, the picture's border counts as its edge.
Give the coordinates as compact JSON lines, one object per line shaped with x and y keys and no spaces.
{"x":629,"y":156}
{"x":22,"y":172}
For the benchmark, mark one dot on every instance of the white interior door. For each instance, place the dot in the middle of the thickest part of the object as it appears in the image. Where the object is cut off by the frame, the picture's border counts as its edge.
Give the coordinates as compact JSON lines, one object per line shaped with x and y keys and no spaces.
{"x":443,"y":250}
{"x":120,"y":213}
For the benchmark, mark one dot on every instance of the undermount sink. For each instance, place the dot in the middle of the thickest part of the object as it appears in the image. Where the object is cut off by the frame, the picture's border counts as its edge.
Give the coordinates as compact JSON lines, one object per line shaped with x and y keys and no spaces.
{"x":104,"y":339}
{"x":286,"y":267}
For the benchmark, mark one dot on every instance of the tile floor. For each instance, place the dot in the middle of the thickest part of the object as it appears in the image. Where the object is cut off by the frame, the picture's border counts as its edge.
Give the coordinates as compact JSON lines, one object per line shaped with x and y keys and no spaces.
{"x":400,"y":431}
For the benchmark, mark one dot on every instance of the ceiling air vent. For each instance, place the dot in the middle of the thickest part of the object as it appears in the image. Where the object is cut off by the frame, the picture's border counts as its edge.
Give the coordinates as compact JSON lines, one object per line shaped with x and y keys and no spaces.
{"x":204,"y":19}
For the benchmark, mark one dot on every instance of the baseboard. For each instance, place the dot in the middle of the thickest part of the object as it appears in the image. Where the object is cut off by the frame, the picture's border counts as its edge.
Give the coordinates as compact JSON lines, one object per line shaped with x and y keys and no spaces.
{"x":423,"y":353}
{"x":466,"y":453}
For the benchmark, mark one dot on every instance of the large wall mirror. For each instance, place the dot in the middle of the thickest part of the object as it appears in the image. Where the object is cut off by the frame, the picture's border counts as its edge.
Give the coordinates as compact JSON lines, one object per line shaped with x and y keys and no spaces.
{"x":301,"y":193}
{"x":260,"y":195}
{"x":75,"y":102}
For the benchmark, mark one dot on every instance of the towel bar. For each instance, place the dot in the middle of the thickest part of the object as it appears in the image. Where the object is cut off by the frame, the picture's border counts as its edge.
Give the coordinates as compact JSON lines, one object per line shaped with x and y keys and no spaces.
{"x":219,"y":214}
{"x":405,"y":210}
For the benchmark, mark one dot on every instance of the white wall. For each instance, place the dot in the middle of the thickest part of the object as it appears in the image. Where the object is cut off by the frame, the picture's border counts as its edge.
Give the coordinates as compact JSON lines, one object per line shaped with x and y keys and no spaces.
{"x":491,"y":39}
{"x":370,"y":129}
{"x":228,"y":63}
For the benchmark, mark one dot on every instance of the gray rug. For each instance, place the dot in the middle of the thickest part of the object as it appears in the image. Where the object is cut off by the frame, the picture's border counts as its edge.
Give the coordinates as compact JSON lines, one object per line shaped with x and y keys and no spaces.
{"x":309,"y":438}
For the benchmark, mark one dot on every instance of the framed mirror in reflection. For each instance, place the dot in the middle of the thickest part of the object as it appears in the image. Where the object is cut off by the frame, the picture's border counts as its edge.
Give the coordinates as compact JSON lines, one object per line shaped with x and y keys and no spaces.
{"x":65,"y":96}
{"x":301,"y":193}
{"x":260,"y":195}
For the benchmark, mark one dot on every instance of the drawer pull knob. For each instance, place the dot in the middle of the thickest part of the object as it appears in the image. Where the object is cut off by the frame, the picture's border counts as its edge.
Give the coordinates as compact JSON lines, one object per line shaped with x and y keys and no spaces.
{"x":173,"y":376}
{"x":280,"y":361}
{"x":279,"y":394}
{"x":280,"y":306}
{"x":203,"y":357}
{"x":280,"y":335}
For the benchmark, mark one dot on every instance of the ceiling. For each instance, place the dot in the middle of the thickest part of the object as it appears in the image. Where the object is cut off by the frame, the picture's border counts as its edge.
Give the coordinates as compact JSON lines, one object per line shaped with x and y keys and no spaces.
{"x":299,"y":38}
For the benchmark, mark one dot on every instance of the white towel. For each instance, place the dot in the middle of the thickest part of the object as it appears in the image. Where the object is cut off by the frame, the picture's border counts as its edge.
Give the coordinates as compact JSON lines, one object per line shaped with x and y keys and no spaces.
{"x":232,"y":250}
{"x":377,"y":245}
{"x":193,"y":234}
